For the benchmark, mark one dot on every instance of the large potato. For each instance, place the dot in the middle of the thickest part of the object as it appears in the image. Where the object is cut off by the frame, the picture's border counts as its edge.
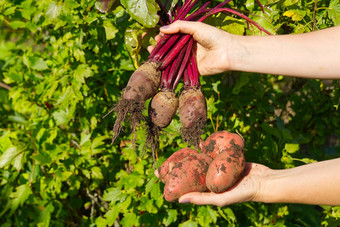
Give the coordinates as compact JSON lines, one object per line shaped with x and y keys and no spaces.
{"x":220,"y":141}
{"x":175,"y":158}
{"x":187,"y":176}
{"x":225,"y":170}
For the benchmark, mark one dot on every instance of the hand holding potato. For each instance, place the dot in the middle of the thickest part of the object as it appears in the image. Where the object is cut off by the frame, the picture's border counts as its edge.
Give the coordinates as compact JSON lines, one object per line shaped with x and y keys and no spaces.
{"x":246,"y":189}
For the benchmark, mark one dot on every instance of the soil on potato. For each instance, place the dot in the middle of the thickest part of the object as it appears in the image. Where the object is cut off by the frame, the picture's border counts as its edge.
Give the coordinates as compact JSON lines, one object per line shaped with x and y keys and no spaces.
{"x":127,"y":109}
{"x":192,"y":135}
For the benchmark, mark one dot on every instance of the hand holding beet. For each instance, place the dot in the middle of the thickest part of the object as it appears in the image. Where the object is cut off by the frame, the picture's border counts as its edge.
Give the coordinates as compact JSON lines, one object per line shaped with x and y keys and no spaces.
{"x":217,"y":168}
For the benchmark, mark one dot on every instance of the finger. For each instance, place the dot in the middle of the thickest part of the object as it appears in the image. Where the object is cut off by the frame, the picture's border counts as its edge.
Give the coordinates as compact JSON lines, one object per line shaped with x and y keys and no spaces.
{"x":158,"y":37}
{"x":156,"y":173}
{"x":150,"y":48}
{"x":187,"y":27}
{"x":202,"y":198}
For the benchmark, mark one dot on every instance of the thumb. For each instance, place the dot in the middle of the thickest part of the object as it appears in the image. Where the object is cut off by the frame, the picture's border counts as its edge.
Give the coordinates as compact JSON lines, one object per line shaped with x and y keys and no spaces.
{"x":187,"y":27}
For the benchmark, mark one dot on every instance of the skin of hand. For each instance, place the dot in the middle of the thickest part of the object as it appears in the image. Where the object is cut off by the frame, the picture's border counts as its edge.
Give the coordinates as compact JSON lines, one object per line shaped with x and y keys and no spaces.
{"x":316,"y":183}
{"x":244,"y":190}
{"x":211,"y":47}
{"x":310,"y":55}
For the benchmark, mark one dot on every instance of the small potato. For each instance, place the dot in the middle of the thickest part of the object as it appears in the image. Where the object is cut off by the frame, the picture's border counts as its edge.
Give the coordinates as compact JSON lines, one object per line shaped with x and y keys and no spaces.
{"x":220,"y":141}
{"x":225,"y":170}
{"x":187,"y":176}
{"x":175,"y":158}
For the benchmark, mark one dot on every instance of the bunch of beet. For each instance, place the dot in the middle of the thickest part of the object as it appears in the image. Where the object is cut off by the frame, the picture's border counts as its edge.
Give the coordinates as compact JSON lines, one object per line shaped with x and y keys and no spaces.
{"x":217,"y":168}
{"x":173,"y":59}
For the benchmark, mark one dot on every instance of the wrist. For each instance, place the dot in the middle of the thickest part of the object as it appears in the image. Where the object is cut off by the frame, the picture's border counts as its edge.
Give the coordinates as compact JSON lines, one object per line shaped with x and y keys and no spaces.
{"x":264,"y":192}
{"x":238,"y":54}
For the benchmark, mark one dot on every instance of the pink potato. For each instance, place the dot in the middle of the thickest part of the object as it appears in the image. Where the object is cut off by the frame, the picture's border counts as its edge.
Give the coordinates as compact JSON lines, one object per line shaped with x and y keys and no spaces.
{"x":221,"y":141}
{"x":175,"y":158}
{"x":188,"y":175}
{"x":225,"y":170}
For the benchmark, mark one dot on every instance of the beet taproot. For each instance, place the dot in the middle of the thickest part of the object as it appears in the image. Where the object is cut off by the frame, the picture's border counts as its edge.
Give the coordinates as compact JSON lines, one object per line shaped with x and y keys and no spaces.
{"x":142,"y":85}
{"x":192,"y":114}
{"x":163,"y":107}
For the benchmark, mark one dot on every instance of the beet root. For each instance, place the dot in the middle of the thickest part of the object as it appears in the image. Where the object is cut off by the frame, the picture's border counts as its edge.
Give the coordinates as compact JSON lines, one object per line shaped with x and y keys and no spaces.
{"x":163,"y":107}
{"x":142,"y":85}
{"x":220,"y":141}
{"x":193,"y":115}
{"x":188,"y":175}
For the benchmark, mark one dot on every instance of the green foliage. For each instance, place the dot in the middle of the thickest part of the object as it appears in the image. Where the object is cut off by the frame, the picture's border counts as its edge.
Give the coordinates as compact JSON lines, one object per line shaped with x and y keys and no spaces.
{"x":63,"y":65}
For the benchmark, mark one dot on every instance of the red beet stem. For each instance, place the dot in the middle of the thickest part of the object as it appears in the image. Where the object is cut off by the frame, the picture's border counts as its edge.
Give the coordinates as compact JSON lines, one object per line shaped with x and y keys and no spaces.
{"x":172,"y":54}
{"x":195,"y":72}
{"x":203,"y":9}
{"x":165,"y":74}
{"x":186,"y":79}
{"x":184,"y":62}
{"x":175,"y":67}
{"x":166,"y":46}
{"x":236,"y":13}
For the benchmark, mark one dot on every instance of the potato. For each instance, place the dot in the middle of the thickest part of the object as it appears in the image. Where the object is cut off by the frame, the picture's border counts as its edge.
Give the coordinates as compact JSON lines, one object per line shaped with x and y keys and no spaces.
{"x":225,"y":170}
{"x":187,"y":176}
{"x":175,"y":158}
{"x":220,"y":141}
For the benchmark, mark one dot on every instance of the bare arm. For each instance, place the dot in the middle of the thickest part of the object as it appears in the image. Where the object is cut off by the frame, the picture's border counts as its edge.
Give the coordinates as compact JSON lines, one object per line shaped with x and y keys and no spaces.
{"x":310,"y":55}
{"x":316,"y":183}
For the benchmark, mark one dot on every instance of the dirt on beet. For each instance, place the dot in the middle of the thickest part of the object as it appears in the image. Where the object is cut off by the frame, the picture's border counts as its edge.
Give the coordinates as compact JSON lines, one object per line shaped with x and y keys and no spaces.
{"x":192,"y":135}
{"x":127,"y":109}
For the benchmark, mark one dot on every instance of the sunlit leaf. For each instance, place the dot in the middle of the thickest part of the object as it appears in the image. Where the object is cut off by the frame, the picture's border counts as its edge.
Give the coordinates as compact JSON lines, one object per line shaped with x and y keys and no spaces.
{"x":143,"y":11}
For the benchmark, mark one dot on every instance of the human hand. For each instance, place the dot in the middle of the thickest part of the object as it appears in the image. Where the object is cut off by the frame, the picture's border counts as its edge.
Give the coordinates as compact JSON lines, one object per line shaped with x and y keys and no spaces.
{"x":246,"y":189}
{"x":212,"y":45}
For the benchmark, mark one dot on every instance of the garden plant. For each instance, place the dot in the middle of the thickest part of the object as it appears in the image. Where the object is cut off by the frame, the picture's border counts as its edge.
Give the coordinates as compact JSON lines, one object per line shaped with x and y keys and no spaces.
{"x":76,"y":151}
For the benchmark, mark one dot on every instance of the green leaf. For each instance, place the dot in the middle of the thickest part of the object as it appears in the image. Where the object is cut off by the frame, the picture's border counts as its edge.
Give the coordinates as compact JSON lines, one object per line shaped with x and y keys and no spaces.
{"x":17,"y":198}
{"x":111,"y":215}
{"x":110,"y":30}
{"x":35,"y":63}
{"x":296,"y":15}
{"x":112,"y":194}
{"x":96,"y":173}
{"x":273,"y":131}
{"x":43,"y":158}
{"x":334,"y":11}
{"x":242,"y":80}
{"x":171,"y":218}
{"x":292,"y":148}
{"x":83,"y":71}
{"x":8,"y":156}
{"x":129,"y":219}
{"x":17,"y":24}
{"x":188,"y":223}
{"x":143,"y":11}
{"x":104,"y":6}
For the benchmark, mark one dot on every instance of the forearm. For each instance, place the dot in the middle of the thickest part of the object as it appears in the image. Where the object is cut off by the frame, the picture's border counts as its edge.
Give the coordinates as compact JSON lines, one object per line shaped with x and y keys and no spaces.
{"x":312,"y":55}
{"x":316,"y":183}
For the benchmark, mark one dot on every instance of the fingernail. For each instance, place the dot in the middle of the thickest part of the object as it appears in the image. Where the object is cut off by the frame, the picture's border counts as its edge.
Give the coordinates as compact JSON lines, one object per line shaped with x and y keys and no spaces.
{"x":185,"y":201}
{"x":165,"y":27}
